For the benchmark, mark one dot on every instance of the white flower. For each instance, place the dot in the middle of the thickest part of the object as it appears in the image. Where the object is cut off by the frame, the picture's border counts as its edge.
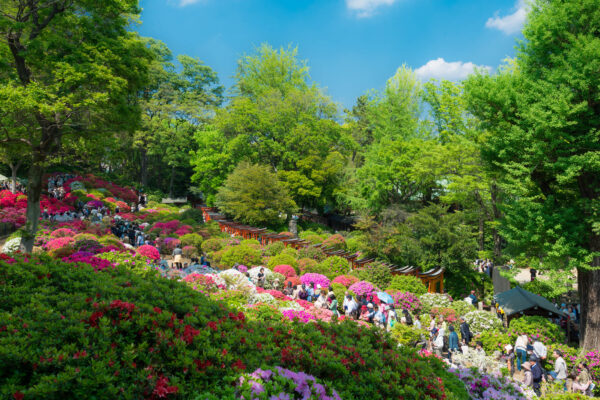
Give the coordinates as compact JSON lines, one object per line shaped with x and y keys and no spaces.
{"x":12,"y":245}
{"x":262,"y":298}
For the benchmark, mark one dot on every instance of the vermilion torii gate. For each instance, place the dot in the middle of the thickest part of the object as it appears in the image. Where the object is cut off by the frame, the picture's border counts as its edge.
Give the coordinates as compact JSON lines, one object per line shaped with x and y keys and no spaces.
{"x":433,"y":278}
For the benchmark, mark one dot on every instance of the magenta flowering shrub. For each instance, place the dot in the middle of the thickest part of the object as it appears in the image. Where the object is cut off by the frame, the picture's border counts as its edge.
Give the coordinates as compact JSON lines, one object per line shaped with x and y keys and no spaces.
{"x":165,"y":228}
{"x":346,"y":280}
{"x":277,"y":294}
{"x":202,"y":283}
{"x":63,"y":232}
{"x":592,"y":359}
{"x":362,"y":288}
{"x":286,"y":270}
{"x":405,"y":300}
{"x":302,"y":315}
{"x":482,"y":386}
{"x":88,"y":258}
{"x":315,"y":279}
{"x":148,"y":251}
{"x":183,"y":230}
{"x":58,"y":243}
{"x":283,"y":384}
{"x":242,"y":268}
{"x":94,"y":203}
{"x":189,"y":251}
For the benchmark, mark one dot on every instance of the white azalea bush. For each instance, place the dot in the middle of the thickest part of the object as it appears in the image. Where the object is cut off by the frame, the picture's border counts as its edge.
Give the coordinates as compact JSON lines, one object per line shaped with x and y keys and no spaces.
{"x":254,"y":273}
{"x":430,"y":300}
{"x":290,"y":305}
{"x":264,"y":298}
{"x":482,"y":321}
{"x":235,"y":280}
{"x":219,"y":281}
{"x":12,"y":245}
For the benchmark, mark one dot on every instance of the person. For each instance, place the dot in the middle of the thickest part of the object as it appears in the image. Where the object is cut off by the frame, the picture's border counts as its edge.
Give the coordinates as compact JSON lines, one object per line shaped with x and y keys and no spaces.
{"x":392,"y":317}
{"x":418,"y":322}
{"x":509,"y":356}
{"x":452,"y":343}
{"x":370,"y":312}
{"x":539,"y":350}
{"x":582,"y":381}
{"x":261,"y":278}
{"x":347,"y":298}
{"x":465,"y":331}
{"x":468,"y":300}
{"x":438,"y":341}
{"x":321,"y":301}
{"x":521,"y":350}
{"x":528,"y":376}
{"x":289,"y":290}
{"x":303,"y":293}
{"x":380,"y":318}
{"x":177,"y":252}
{"x":474,"y":300}
{"x":333,"y":307}
{"x":560,"y":367}
{"x":311,"y":292}
{"x":532,"y":273}
{"x":537,"y":375}
{"x":571,"y":314}
{"x":407,"y":317}
{"x":352,"y":306}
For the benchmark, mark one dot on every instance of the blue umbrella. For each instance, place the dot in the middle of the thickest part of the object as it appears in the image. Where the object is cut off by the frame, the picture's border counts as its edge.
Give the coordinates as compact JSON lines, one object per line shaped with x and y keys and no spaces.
{"x":385,"y":297}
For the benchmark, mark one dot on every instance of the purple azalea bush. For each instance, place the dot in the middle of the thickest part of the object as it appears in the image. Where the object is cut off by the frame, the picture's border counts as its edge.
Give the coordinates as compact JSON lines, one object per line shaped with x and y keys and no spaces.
{"x":283,"y":384}
{"x":315,"y":279}
{"x":302,"y":315}
{"x":405,"y":300}
{"x":483,"y":386}
{"x":363,"y":287}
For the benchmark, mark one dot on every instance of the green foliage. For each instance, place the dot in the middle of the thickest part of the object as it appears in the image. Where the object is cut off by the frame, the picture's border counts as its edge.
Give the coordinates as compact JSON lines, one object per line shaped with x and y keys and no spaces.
{"x":461,"y":307}
{"x":377,"y":274}
{"x":552,"y":286}
{"x":459,"y":284}
{"x":282,"y":259}
{"x":253,"y":195}
{"x":212,"y":245}
{"x":407,"y":283}
{"x":250,"y":242}
{"x":192,"y":239}
{"x":241,"y":254}
{"x":356,"y":243}
{"x":289,"y":251}
{"x":274,"y":249}
{"x":333,"y":266}
{"x":315,"y":253}
{"x":538,"y":327}
{"x":306,"y":265}
{"x":408,"y":335}
{"x":335,"y":242}
{"x":340,"y":293}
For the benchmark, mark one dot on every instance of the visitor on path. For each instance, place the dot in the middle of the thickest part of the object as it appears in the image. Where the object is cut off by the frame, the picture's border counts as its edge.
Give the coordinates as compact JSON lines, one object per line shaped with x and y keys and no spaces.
{"x":528,"y":376}
{"x":351,"y":307}
{"x":177,"y":254}
{"x":417,"y":322}
{"x":303,"y":294}
{"x":533,"y":273}
{"x":311,"y":292}
{"x":474,"y":299}
{"x":261,"y":278}
{"x":370,"y":313}
{"x":392,"y":317}
{"x":509,"y":356}
{"x":521,"y":350}
{"x":289,"y":289}
{"x":333,"y":307}
{"x":437,"y":341}
{"x":560,"y":367}
{"x":582,"y":381}
{"x":465,"y":331}
{"x":452,"y":343}
{"x":408,"y":318}
{"x":539,"y":350}
{"x":537,"y":375}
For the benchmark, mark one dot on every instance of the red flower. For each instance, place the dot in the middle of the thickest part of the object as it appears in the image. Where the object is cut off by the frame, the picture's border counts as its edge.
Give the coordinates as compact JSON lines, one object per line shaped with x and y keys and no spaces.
{"x":18,"y":395}
{"x":239,"y":365}
{"x":212,"y":325}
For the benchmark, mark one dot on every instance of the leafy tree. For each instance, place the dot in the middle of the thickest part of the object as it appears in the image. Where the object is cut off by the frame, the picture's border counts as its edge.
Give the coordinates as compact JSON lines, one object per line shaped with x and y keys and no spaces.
{"x":278,"y":117}
{"x":253,"y":195}
{"x":69,"y":68}
{"x":543,"y":114}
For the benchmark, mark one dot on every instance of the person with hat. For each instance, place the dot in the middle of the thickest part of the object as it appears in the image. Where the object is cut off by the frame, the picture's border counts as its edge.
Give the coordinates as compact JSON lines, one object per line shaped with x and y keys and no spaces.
{"x":370,"y":312}
{"x":537,"y":374}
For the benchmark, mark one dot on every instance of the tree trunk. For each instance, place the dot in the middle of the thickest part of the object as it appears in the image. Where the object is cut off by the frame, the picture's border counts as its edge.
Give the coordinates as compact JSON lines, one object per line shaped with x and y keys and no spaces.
{"x":34,"y":192}
{"x":589,"y":294}
{"x":497,"y":216}
{"x":144,"y":167}
{"x":171,"y":182}
{"x":481,"y":238}
{"x":13,"y":171}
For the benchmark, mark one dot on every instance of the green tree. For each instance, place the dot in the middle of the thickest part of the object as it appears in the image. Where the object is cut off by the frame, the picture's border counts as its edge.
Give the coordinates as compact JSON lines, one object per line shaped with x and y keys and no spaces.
{"x":253,"y":195}
{"x":278,"y":117}
{"x":543,"y":114}
{"x":69,"y":68}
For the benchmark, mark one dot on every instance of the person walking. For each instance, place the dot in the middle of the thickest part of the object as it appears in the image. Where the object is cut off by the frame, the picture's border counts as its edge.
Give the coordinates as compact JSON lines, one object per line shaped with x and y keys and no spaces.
{"x":521,"y":350}
{"x":452,"y":343}
{"x":465,"y":331}
{"x":333,"y":307}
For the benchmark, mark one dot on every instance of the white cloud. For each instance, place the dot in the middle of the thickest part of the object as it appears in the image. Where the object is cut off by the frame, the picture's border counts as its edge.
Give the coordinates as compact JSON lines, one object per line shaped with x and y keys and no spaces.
{"x":441,"y":69}
{"x":366,"y":8}
{"x":512,"y":23}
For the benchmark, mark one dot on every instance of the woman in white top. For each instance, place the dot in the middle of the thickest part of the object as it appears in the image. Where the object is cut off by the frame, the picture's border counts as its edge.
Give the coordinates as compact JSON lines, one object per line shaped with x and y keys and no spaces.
{"x":521,"y":350}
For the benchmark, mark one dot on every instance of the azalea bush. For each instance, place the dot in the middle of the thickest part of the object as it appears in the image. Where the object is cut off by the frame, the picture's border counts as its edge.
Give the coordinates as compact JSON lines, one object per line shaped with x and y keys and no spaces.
{"x":211,"y":245}
{"x":537,"y":328}
{"x":363,"y":288}
{"x":335,"y":242}
{"x":333,"y":266}
{"x":430,"y":300}
{"x":405,"y":300}
{"x":377,"y":274}
{"x":148,"y":251}
{"x":192,"y":239}
{"x":407,"y":283}
{"x":481,"y":321}
{"x":483,"y":386}
{"x":241,"y":254}
{"x":274,"y":249}
{"x":286,"y":270}
{"x":282,"y":259}
{"x":345,"y":280}
{"x":306,"y":265}
{"x":313,"y":279}
{"x":11,"y":245}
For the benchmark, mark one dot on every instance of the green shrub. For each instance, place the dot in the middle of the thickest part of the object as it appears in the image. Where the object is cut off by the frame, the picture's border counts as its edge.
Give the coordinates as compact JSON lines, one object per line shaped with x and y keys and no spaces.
{"x":282,"y":259}
{"x":274,"y":249}
{"x":306,"y":265}
{"x":192,"y":239}
{"x":250,"y":242}
{"x":495,"y":339}
{"x":212,"y":245}
{"x":356,"y":243}
{"x":312,"y":252}
{"x":290,"y":251}
{"x":407,"y":283}
{"x":333,"y":266}
{"x":408,"y":335}
{"x":340,"y":292}
{"x":314,"y":239}
{"x":461,"y":307}
{"x":378,"y":274}
{"x":241,"y":254}
{"x":538,"y":328}
{"x":193,"y":214}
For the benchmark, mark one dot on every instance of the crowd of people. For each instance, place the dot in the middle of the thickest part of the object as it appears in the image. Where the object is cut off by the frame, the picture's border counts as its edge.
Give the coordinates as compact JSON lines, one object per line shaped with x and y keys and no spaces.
{"x":8,"y":185}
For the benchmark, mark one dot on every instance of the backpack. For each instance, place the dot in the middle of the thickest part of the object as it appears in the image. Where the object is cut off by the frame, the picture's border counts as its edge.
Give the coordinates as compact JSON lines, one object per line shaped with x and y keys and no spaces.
{"x":409,"y":320}
{"x":446,"y":345}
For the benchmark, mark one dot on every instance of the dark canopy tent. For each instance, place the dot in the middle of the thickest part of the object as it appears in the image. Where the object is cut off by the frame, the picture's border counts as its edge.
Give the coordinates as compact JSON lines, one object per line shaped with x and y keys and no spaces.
{"x":518,"y":301}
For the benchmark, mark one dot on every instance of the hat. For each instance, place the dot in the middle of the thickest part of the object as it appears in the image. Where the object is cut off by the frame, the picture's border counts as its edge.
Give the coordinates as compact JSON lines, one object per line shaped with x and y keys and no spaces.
{"x":508,"y":347}
{"x":527,"y":365}
{"x":370,"y":305}
{"x":434,"y":331}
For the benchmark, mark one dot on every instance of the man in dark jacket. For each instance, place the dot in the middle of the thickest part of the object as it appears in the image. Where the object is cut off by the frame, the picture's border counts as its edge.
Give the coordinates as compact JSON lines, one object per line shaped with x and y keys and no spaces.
{"x":465,"y":332}
{"x":537,"y":373}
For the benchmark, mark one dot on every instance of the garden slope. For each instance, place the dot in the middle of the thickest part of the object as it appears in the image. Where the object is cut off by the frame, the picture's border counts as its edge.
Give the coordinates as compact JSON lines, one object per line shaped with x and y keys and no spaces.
{"x":70,"y":332}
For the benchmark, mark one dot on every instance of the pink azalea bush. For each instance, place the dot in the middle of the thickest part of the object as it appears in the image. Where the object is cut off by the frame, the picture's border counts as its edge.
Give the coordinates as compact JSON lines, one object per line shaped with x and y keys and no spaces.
{"x":165,"y":228}
{"x":346,"y":280}
{"x":183,"y":230}
{"x":242,"y":268}
{"x":362,"y":288}
{"x":405,"y":300}
{"x":302,"y":315}
{"x":315,"y":279}
{"x":189,"y":251}
{"x":202,"y":283}
{"x":149,"y":252}
{"x":277,"y":294}
{"x":63,"y":232}
{"x":285,"y":270}
{"x":58,"y":243}
{"x":87,"y":258}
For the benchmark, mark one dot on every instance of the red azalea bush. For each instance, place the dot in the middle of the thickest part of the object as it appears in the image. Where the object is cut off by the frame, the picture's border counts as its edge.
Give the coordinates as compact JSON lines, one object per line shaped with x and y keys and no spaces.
{"x":148,"y":251}
{"x":147,"y":338}
{"x":307,"y":305}
{"x":294,"y":280}
{"x":346,"y":280}
{"x":184,"y":230}
{"x":286,"y":270}
{"x":84,"y":257}
{"x":336,"y":242}
{"x":278,"y":295}
{"x":449,"y":314}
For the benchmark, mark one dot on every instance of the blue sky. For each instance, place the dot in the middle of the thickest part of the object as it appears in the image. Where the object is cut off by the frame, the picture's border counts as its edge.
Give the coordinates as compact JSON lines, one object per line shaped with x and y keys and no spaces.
{"x":351,"y":45}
